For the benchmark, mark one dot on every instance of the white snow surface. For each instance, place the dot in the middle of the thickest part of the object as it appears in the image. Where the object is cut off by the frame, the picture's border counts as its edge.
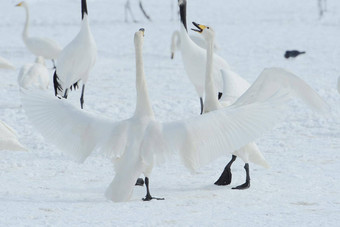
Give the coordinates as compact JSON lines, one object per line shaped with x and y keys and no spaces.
{"x":42,"y":187}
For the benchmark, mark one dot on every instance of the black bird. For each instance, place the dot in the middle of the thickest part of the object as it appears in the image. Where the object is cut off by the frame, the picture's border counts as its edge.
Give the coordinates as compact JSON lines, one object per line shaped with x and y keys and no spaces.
{"x":293,"y":53}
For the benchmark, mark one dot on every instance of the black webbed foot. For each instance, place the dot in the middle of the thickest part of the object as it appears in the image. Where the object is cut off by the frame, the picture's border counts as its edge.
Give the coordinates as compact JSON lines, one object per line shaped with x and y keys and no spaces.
{"x":225,"y":178}
{"x":149,"y":198}
{"x":140,"y":182}
{"x":243,"y":186}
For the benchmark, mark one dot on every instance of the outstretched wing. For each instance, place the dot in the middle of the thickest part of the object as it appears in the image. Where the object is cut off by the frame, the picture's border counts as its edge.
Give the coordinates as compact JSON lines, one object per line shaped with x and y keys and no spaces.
{"x":201,"y":139}
{"x":277,"y":80}
{"x":74,"y":131}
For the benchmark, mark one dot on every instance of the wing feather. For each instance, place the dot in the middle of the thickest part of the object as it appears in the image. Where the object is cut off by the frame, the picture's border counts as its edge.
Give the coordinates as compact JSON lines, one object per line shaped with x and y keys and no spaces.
{"x":73,"y":131}
{"x":201,"y":139}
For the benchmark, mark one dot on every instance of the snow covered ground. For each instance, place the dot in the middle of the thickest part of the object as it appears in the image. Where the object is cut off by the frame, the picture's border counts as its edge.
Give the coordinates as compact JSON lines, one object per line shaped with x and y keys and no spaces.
{"x":42,"y":187}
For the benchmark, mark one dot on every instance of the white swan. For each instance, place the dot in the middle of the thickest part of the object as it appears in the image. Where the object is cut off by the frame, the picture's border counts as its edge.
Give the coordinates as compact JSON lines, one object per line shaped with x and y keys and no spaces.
{"x":45,"y":47}
{"x":137,"y":143}
{"x":250,"y":152}
{"x":76,"y":60}
{"x":34,"y":75}
{"x":9,"y":139}
{"x":194,"y":60}
{"x":4,"y":64}
{"x":176,"y":42}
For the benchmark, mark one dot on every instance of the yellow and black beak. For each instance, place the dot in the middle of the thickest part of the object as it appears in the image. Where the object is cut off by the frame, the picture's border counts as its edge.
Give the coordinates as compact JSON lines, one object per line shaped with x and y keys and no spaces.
{"x":19,"y":4}
{"x":199,"y":26}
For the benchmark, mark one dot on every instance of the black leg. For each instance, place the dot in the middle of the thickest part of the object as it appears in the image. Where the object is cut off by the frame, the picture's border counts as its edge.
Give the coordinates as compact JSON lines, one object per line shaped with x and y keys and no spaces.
{"x":247,"y":183}
{"x":82,"y":97}
{"x":226,"y":176}
{"x":201,"y":101}
{"x":148,"y":196}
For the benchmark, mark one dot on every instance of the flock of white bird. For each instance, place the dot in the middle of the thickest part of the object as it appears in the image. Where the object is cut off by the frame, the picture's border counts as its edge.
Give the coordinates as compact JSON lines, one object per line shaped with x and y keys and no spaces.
{"x":226,"y":126}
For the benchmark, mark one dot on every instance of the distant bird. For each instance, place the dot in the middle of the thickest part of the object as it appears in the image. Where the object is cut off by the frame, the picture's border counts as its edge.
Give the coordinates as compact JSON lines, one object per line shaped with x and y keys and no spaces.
{"x":293,"y":53}
{"x":9,"y":139}
{"x":34,"y":75}
{"x":4,"y":64}
{"x":194,"y":61}
{"x":248,"y":153}
{"x":137,"y":143}
{"x":45,"y":47}
{"x":76,"y":60}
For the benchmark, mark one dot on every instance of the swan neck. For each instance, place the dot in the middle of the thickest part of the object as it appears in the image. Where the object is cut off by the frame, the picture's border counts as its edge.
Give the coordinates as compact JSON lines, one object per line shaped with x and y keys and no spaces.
{"x":25,"y":31}
{"x":175,"y":41}
{"x":211,"y":98}
{"x":143,"y":106}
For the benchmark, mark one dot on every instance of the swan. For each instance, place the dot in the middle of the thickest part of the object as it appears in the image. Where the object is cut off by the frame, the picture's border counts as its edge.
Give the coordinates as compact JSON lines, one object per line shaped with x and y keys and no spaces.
{"x":34,"y":75}
{"x":9,"y":139}
{"x":45,"y":47}
{"x":4,"y":64}
{"x":250,"y":152}
{"x":175,"y":42}
{"x":194,"y":60}
{"x":76,"y":60}
{"x":137,"y":143}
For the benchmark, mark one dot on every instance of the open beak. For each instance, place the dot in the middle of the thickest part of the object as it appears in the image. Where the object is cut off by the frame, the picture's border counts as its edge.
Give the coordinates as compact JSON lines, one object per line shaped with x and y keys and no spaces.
{"x":199,"y":27}
{"x":19,"y":4}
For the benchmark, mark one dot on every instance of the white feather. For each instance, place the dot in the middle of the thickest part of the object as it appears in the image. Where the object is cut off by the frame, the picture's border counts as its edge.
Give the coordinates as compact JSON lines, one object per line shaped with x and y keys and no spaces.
{"x":9,"y":139}
{"x":34,"y":75}
{"x":4,"y":64}
{"x":142,"y":140}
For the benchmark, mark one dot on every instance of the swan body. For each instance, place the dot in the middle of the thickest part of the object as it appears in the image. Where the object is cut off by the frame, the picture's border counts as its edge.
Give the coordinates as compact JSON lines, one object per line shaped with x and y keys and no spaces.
{"x":9,"y":139}
{"x":34,"y":75}
{"x":4,"y":64}
{"x":45,"y":47}
{"x":248,"y":153}
{"x":137,"y":143}
{"x":76,"y":60}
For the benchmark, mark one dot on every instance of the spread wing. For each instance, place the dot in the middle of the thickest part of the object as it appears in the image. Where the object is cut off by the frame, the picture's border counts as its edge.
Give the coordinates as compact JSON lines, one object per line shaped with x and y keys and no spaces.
{"x":201,"y":139}
{"x":73,"y":131}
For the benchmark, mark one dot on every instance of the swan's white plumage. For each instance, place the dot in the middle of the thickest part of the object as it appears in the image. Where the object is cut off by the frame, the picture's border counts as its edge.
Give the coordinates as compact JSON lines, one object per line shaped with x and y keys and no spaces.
{"x":194,"y":60}
{"x":34,"y":75}
{"x":9,"y":139}
{"x":175,"y":42}
{"x":39,"y":46}
{"x":137,"y":143}
{"x":5,"y":64}
{"x":77,"y":58}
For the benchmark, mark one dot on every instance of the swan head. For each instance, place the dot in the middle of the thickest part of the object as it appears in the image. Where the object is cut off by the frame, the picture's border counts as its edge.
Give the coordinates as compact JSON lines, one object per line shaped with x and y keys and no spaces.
{"x":207,"y":32}
{"x":139,"y":37}
{"x":23,"y":3}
